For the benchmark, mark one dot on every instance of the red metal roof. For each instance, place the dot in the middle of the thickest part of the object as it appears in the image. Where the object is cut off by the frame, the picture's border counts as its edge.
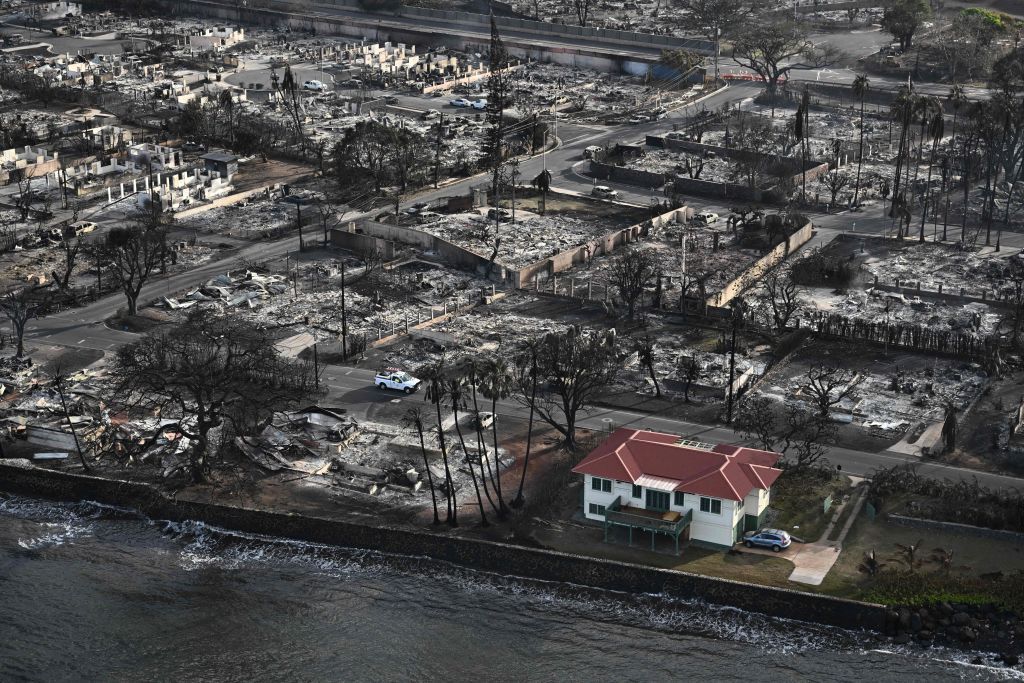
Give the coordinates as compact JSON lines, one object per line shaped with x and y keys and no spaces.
{"x":726,"y":471}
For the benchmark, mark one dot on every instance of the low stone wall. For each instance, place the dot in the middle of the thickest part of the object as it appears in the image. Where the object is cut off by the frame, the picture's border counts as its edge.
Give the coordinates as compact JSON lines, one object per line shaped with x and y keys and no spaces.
{"x":629,"y":176}
{"x":488,"y":556}
{"x":452,"y":254}
{"x":357,"y":242}
{"x":954,"y":528}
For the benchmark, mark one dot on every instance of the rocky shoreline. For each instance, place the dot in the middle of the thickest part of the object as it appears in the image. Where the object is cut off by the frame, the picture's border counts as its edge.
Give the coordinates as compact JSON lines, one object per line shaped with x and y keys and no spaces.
{"x":960,"y":626}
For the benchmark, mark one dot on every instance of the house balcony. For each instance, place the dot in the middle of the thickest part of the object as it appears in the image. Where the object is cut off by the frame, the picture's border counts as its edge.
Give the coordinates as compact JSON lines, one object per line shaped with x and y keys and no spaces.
{"x":670,"y":523}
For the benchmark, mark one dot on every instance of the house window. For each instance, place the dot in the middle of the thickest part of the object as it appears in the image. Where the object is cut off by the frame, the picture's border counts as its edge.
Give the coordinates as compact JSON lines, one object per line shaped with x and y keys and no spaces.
{"x":638,"y":491}
{"x":657,"y":500}
{"x":601,"y":484}
{"x":712,"y":505}
{"x":596,"y":509}
{"x":680,"y":498}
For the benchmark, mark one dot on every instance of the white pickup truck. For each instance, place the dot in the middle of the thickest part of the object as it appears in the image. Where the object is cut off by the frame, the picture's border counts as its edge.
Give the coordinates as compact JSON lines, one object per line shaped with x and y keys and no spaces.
{"x":396,"y":379}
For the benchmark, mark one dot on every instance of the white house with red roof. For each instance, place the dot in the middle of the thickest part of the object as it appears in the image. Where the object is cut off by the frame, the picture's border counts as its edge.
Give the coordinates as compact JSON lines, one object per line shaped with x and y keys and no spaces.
{"x":665,"y":484}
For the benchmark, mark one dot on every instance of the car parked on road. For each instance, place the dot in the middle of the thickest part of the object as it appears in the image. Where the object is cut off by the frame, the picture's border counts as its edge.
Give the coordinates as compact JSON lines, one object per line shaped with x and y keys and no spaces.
{"x":391,"y":99}
{"x":775,"y":539}
{"x":393,"y":378}
{"x":460,"y":102}
{"x":480,"y":104}
{"x":604,"y":192}
{"x":314,"y":85}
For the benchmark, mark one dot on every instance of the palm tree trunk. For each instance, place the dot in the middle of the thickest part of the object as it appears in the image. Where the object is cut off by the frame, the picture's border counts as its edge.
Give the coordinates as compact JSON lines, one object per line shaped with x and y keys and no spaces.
{"x":518,"y":500}
{"x":482,"y":449}
{"x":469,"y":462}
{"x":452,"y":517}
{"x":497,"y":463}
{"x":430,"y":477}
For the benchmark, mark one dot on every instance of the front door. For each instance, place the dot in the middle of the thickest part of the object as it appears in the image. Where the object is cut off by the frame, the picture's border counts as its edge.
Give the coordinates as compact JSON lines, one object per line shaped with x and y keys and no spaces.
{"x":657,"y":500}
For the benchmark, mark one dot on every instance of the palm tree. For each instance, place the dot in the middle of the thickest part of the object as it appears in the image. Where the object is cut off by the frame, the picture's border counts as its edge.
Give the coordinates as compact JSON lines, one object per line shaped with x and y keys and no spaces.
{"x":414,"y":418}
{"x":470,"y":370}
{"x":456,"y":392}
{"x":925,"y":107}
{"x":433,"y":379}
{"x":936,"y":130}
{"x":531,"y":369}
{"x":496,"y":385}
{"x":901,"y":109}
{"x":860,"y":89}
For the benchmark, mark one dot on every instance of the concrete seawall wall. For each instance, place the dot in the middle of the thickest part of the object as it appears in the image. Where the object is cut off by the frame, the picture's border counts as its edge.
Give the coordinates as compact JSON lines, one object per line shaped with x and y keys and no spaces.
{"x":483,"y":555}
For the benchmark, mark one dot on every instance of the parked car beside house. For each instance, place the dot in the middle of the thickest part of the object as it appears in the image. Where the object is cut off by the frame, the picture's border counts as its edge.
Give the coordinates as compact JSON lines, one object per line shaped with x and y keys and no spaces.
{"x":768,"y":538}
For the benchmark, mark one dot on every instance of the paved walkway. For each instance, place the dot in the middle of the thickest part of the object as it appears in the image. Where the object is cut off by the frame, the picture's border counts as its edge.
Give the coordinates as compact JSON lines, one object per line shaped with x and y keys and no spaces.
{"x":813,"y":561}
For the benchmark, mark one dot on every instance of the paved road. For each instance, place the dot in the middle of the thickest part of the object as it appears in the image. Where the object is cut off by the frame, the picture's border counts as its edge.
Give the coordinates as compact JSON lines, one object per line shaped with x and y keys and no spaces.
{"x":353,"y":388}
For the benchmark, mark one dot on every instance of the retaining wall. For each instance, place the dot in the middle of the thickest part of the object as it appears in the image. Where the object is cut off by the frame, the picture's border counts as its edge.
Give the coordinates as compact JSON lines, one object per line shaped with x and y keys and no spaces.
{"x":488,"y":556}
{"x":954,"y":528}
{"x":754,"y":272}
{"x":357,"y":242}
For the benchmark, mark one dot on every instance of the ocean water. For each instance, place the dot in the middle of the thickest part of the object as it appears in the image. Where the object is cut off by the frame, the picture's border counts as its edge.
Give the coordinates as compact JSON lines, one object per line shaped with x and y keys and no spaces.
{"x":90,"y":592}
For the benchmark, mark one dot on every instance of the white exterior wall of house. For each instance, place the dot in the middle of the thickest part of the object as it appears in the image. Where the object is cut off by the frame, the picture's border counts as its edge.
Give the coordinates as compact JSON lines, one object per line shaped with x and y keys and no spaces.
{"x":706,"y":527}
{"x":756,"y":501}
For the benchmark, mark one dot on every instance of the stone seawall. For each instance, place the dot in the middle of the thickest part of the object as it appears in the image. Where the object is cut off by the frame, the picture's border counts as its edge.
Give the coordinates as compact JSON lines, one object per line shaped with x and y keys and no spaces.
{"x":545,"y":565}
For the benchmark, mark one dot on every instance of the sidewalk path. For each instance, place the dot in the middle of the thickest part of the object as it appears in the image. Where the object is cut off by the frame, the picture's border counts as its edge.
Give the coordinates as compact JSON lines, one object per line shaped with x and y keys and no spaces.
{"x":813,"y":561}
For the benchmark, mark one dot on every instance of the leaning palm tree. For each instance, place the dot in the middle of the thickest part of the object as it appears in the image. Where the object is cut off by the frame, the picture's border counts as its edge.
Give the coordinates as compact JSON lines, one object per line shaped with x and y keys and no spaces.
{"x":470,"y":370}
{"x":527,"y":369}
{"x":436,"y":392}
{"x":860,"y":89}
{"x":936,"y":130}
{"x":496,"y":384}
{"x":414,"y":418}
{"x":456,"y":392}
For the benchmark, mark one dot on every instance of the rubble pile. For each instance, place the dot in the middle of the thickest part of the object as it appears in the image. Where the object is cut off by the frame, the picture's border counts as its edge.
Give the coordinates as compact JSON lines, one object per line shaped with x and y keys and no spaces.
{"x":712,"y":169}
{"x":880,"y":306}
{"x":932,"y":265}
{"x":533,"y":237}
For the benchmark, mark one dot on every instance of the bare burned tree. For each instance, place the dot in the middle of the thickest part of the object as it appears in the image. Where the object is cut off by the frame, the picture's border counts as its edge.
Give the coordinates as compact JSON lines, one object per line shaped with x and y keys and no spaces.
{"x":688,"y":370}
{"x":582,"y":10}
{"x":573,"y":368}
{"x":780,"y":297}
{"x":835,"y":181}
{"x":69,"y":250}
{"x":645,"y":349}
{"x":712,"y":19}
{"x":134,"y":254}
{"x":632,"y":273}
{"x":827,"y":386}
{"x":206,"y":372}
{"x":20,"y":305}
{"x":802,"y":435}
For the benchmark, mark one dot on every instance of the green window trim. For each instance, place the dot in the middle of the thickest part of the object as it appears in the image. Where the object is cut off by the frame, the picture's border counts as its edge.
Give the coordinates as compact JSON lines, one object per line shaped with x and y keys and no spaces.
{"x":599,"y":484}
{"x":638,"y":491}
{"x":657,"y":500}
{"x":680,"y":499}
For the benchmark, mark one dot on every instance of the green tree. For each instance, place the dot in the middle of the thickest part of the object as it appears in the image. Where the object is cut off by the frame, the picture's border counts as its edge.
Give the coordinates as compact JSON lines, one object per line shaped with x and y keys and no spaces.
{"x":903,"y":18}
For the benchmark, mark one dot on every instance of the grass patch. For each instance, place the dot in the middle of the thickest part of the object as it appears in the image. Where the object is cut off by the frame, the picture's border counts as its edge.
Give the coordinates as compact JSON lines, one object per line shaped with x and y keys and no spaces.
{"x":905,"y":587}
{"x":798,"y":498}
